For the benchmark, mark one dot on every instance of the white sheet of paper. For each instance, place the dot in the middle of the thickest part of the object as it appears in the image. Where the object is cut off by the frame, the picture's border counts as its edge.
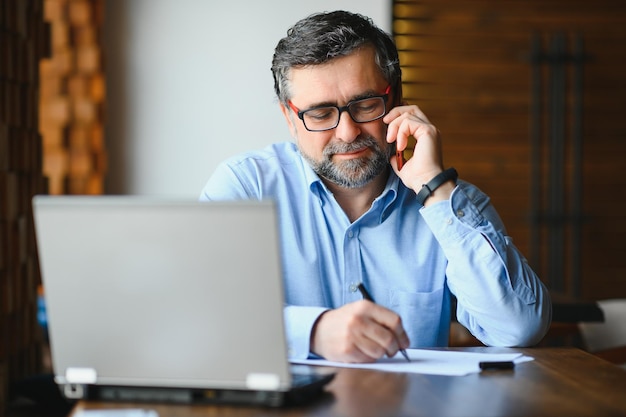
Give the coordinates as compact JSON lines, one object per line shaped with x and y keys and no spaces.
{"x":425,"y":361}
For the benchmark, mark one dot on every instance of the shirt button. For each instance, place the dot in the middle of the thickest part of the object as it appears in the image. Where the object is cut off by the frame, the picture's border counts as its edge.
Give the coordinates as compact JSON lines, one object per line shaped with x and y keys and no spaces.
{"x":449,"y":221}
{"x":350,"y":234}
{"x":460,"y":213}
{"x":353,"y":287}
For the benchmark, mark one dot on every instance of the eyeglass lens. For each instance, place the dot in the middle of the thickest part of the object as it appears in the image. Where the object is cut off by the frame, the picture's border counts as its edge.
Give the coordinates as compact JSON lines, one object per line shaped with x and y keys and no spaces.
{"x":361,"y":111}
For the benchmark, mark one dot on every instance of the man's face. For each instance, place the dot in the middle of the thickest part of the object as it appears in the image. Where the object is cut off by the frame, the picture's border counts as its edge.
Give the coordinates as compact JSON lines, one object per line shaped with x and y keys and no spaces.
{"x":352,"y":154}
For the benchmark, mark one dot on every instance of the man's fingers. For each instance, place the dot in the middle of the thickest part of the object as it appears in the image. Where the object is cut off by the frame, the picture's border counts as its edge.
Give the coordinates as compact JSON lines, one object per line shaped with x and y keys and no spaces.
{"x":384,"y":328}
{"x":358,"y":332}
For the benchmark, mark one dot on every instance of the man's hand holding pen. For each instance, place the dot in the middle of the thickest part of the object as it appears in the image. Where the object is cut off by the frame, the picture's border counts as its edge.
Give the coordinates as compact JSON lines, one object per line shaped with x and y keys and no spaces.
{"x":358,"y":332}
{"x":368,"y":297}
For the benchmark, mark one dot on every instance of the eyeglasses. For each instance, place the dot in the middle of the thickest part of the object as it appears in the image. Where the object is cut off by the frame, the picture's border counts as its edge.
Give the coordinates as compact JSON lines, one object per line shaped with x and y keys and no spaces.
{"x":318,"y":119}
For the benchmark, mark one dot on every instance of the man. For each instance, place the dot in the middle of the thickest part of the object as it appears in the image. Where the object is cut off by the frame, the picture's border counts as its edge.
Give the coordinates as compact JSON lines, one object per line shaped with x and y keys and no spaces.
{"x":350,"y":215}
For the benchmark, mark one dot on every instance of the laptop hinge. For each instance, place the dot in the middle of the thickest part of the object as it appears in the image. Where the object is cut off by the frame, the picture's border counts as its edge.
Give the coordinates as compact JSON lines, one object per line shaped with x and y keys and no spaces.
{"x":262,"y":381}
{"x":76,"y":382}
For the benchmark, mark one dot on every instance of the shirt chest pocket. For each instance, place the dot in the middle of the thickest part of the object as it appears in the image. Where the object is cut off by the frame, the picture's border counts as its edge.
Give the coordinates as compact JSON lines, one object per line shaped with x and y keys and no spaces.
{"x":422,"y":317}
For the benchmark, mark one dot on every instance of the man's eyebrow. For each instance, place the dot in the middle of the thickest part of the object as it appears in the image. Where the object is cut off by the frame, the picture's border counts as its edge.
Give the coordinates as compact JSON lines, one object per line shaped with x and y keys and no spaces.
{"x":367,"y":94}
{"x":321,"y":104}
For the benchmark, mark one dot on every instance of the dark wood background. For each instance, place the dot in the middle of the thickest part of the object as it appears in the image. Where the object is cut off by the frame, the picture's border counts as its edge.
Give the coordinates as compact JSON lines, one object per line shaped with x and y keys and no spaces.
{"x":23,"y":42}
{"x":467,"y":64}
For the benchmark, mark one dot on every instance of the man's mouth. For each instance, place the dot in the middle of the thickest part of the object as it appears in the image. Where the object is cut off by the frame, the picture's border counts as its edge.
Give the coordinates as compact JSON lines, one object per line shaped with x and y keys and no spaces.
{"x":355,"y":153}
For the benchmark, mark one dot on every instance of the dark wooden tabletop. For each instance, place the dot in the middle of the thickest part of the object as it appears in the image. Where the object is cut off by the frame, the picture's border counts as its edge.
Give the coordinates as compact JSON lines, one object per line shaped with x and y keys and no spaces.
{"x":559,"y":382}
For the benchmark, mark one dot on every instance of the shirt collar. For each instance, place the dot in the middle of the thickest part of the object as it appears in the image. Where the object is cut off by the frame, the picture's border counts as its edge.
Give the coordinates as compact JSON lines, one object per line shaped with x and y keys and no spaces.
{"x":314,"y":181}
{"x":388,"y":196}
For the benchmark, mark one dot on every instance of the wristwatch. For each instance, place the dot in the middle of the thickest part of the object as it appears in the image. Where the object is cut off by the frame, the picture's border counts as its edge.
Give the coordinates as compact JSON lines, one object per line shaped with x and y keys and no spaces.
{"x":432,"y":185}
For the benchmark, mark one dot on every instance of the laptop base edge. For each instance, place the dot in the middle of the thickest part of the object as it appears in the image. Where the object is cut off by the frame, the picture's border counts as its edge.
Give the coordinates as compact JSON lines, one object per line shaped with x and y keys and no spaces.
{"x":292,"y":397}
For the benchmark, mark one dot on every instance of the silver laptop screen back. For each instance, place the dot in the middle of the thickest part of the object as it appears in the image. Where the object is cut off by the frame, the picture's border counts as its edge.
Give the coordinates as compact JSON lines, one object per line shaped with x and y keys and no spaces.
{"x":151,"y":292}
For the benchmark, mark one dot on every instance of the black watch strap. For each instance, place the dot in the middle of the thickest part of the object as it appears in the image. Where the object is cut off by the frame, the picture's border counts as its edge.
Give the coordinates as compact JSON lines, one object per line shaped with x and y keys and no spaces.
{"x":432,"y":185}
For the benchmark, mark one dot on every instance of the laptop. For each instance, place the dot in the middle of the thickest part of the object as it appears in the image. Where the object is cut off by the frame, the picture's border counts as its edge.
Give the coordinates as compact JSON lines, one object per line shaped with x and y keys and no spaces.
{"x":155,"y":299}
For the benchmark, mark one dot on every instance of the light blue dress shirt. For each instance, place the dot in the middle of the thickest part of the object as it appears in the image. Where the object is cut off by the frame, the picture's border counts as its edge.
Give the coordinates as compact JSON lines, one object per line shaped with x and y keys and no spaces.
{"x":410,"y":258}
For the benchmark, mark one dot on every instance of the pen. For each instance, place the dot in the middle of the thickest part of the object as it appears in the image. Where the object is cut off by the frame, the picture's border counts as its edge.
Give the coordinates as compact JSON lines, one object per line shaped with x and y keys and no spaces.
{"x":368,"y":297}
{"x":496,"y":365}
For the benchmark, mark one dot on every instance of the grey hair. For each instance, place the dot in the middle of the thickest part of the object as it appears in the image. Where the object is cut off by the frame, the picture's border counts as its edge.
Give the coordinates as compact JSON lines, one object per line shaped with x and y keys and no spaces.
{"x":321,"y":37}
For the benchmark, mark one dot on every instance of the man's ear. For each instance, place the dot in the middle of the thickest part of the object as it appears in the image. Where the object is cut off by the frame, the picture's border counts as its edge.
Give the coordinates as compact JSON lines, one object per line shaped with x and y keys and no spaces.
{"x":289,"y":119}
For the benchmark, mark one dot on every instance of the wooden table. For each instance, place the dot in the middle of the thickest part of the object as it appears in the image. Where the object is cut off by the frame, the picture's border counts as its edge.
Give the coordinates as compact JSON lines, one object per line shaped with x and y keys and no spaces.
{"x":559,"y":382}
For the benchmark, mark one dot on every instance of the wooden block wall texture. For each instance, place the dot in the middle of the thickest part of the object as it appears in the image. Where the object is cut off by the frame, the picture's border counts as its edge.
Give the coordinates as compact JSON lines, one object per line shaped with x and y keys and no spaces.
{"x":72,"y":98}
{"x":466,"y":64}
{"x":24,"y":40}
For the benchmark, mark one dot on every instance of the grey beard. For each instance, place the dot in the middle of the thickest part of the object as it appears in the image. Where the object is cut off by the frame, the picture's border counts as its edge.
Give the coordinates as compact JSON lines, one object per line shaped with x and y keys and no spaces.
{"x":354,"y":173}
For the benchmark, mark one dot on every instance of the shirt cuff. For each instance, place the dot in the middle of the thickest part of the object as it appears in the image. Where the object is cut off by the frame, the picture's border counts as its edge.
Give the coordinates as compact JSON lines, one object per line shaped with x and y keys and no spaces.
{"x":299,"y":321}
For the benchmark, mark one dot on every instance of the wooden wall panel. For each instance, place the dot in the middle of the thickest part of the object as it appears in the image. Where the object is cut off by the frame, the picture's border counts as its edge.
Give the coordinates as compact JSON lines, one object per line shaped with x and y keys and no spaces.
{"x":23,"y":41}
{"x":72,"y":98}
{"x":50,"y":126}
{"x":467,"y":64}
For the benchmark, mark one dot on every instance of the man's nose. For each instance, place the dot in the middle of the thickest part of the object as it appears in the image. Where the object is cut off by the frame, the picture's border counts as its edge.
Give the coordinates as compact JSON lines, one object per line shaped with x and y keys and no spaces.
{"x":347,"y":130}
